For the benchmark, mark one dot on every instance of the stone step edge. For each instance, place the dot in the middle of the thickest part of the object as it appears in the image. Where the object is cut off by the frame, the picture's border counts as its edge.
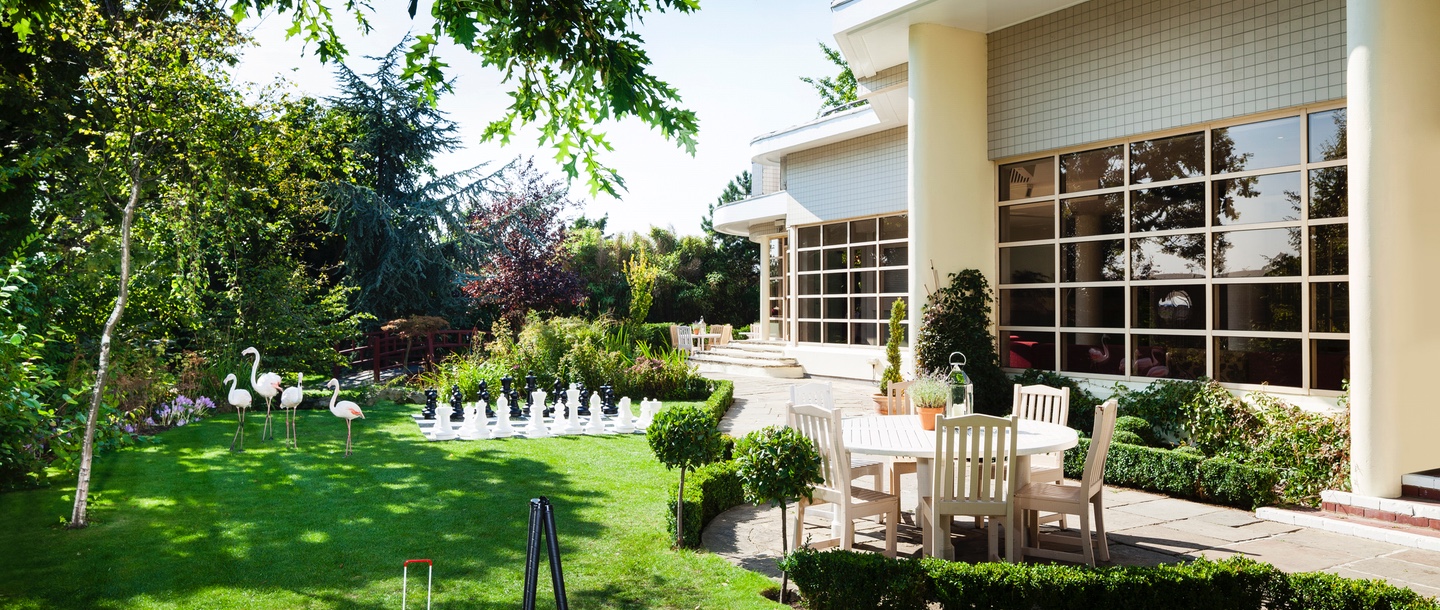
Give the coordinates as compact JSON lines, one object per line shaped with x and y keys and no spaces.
{"x":750,"y":347}
{"x":1358,"y":530}
{"x":1400,"y":510}
{"x":755,"y":362}
{"x":740,"y":353}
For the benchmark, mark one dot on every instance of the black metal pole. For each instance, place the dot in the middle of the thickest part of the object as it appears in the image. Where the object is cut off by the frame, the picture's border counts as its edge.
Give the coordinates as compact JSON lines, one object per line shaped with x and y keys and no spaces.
{"x":532,"y":556}
{"x":557,"y":576}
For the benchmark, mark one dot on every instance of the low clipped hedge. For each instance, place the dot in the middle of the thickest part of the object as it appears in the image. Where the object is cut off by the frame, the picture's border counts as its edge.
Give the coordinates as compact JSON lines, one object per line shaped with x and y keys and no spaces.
{"x":846,"y":579}
{"x":711,"y":489}
{"x":1181,"y":474}
{"x":721,"y":397}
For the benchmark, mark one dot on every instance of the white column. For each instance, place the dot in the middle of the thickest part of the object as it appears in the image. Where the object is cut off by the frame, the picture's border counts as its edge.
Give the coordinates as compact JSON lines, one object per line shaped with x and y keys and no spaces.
{"x":1394,"y":148}
{"x":764,"y":288}
{"x":951,"y":181}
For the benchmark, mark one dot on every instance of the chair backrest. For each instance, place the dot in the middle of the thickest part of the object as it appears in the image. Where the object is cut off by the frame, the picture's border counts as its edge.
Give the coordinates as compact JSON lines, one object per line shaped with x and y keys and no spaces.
{"x":675,"y":335}
{"x":1042,"y":403}
{"x":974,"y":463}
{"x":898,"y":398}
{"x":812,"y":394}
{"x":822,"y":426}
{"x":726,"y":333}
{"x":1093,"y":479}
{"x":684,"y":339}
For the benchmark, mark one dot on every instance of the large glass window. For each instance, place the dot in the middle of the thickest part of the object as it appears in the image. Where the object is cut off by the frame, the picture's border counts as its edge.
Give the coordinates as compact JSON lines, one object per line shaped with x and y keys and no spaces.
{"x":848,"y":274}
{"x":1223,"y":252}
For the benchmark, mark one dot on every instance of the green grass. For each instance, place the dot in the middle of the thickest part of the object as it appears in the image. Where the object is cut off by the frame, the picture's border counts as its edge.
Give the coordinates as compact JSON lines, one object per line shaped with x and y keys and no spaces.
{"x":186,"y":524}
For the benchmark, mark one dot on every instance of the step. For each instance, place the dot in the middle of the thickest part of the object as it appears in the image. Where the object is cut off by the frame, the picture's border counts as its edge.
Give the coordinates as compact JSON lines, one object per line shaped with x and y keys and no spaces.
{"x":741,"y":360}
{"x":774,"y":371}
{"x":1410,"y":511}
{"x":1424,"y":485}
{"x":752,"y":347}
{"x":745,"y":353}
{"x":771,"y":342}
{"x":1359,"y":527}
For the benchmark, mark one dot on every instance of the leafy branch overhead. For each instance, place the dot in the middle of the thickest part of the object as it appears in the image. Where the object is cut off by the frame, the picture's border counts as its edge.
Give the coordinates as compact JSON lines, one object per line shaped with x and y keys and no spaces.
{"x":838,"y":91}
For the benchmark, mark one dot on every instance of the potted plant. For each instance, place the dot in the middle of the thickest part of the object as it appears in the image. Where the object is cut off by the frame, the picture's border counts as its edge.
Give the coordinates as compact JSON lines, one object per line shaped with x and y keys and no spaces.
{"x":892,"y":357}
{"x":929,"y":394}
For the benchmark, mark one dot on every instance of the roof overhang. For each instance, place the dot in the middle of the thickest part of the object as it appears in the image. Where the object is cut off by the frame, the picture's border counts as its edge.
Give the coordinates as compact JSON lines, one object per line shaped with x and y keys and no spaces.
{"x":888,"y":108}
{"x":754,"y":216}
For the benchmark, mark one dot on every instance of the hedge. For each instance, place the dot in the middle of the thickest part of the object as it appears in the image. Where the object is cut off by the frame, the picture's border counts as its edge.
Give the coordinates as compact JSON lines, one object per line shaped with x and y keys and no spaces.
{"x":847,"y":579}
{"x":711,"y":489}
{"x":721,"y":397}
{"x":1181,"y":474}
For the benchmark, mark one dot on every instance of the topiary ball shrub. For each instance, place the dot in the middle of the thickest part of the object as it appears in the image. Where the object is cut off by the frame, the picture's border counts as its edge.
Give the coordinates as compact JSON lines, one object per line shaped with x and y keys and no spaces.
{"x":1128,"y":437}
{"x":778,"y":464}
{"x":1137,"y":426}
{"x":684,"y":437}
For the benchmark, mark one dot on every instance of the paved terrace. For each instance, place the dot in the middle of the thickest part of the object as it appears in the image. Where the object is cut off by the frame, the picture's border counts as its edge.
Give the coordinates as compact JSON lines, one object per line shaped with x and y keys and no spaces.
{"x":1144,"y":528}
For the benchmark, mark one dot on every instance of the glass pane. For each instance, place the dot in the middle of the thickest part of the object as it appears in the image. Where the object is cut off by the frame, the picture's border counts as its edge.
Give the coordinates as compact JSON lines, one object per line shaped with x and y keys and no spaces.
{"x":1270,"y":198}
{"x":894,"y":281}
{"x":1329,"y":364}
{"x":1168,"y":257}
{"x":1093,"y":169}
{"x":865,"y":308}
{"x":1327,"y":135}
{"x":1167,"y":158}
{"x":1094,"y":307}
{"x":1093,"y":261}
{"x":836,"y":309}
{"x":1027,"y":179}
{"x":904,"y":334}
{"x":1274,"y":143}
{"x":894,"y":227}
{"x":1098,"y":215}
{"x":886,"y":303}
{"x":809,"y":332}
{"x":1330,"y":250}
{"x":809,"y":284}
{"x":835,"y":258}
{"x":1258,"y":360}
{"x":1330,"y":307}
{"x":862,"y":230}
{"x":809,"y":308}
{"x":1169,"y":307}
{"x":1168,"y":207}
{"x":835,"y":283}
{"x":1027,"y":350}
{"x":862,"y":282}
{"x":835,"y":234}
{"x":864,"y":334}
{"x":1027,"y":222}
{"x":1092,"y":353}
{"x":894,"y":256}
{"x":809,"y":237}
{"x":1258,"y":307}
{"x":1027,"y":307}
{"x":862,"y":256}
{"x":1263,"y":253}
{"x":1027,"y":264}
{"x":837,"y":332}
{"x":1169,"y":356}
{"x":1329,"y":197}
{"x":809,"y":260}
{"x":777,"y":287}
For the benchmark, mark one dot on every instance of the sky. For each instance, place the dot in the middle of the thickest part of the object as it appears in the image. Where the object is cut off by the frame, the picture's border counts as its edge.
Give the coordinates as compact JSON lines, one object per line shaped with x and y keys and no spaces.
{"x":736,"y":63}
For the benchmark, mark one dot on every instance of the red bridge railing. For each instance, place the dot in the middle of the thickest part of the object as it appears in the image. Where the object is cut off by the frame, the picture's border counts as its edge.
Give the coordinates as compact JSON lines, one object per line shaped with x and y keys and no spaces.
{"x":382,"y":351}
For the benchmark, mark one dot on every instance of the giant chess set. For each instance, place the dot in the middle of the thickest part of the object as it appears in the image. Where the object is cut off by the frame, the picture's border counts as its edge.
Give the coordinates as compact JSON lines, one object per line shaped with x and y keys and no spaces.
{"x":564,"y":411}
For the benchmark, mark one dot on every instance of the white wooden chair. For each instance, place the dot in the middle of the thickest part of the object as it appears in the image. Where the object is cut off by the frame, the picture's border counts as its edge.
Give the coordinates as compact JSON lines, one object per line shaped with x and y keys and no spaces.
{"x":727,"y":332}
{"x":1074,"y":500}
{"x":817,"y":393}
{"x":1047,"y":404}
{"x":684,"y":339}
{"x":898,"y":403}
{"x":822,"y":426}
{"x":974,"y":465}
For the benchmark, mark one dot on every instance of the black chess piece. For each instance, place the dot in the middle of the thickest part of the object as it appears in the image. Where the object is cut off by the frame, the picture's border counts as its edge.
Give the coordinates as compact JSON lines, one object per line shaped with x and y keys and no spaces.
{"x":607,"y":399}
{"x":530,"y":389}
{"x":507,"y":390}
{"x":457,"y":403}
{"x":432,"y":396}
{"x":485,"y":399}
{"x":585,"y":393}
{"x":558,"y":394}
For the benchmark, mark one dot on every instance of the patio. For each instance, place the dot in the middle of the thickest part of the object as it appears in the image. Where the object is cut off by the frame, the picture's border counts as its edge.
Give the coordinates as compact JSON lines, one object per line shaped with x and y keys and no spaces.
{"x":1144,"y":528}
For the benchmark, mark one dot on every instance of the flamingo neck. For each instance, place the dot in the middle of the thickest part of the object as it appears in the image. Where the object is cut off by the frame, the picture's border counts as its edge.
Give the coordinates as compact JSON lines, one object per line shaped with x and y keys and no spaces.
{"x":233,"y":381}
{"x":255,"y":368}
{"x":334,"y":397}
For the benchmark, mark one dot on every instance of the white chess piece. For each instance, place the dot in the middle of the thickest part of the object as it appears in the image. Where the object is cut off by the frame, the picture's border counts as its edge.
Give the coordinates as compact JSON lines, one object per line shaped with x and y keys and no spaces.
{"x":443,"y":431}
{"x":647,"y":413}
{"x":572,"y":423}
{"x":475,"y":428}
{"x":597,"y":417}
{"x":624,"y":419}
{"x":537,"y":428}
{"x":502,"y":419}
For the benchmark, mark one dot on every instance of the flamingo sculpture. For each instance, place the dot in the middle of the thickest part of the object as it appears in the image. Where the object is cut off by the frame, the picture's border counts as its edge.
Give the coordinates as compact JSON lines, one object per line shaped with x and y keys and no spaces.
{"x":267,"y":386}
{"x":240,"y":399}
{"x":1099,"y":356}
{"x":290,"y":404}
{"x":344,"y":409}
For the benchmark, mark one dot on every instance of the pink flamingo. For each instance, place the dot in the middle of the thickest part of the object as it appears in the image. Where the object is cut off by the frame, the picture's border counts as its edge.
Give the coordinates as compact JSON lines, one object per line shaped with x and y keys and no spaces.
{"x":344,"y":409}
{"x":290,"y":403}
{"x":267,"y":386}
{"x":240,"y":399}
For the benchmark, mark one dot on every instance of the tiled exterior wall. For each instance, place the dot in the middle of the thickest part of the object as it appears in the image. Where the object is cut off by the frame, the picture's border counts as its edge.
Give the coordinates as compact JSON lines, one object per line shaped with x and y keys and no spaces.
{"x":857,"y":177}
{"x":893,"y":75}
{"x":764,"y":179}
{"x":1108,"y":69}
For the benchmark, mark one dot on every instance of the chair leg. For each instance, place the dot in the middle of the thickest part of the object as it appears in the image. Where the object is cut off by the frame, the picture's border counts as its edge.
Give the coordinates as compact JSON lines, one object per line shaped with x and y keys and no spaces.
{"x":994,"y":536}
{"x":1099,"y":504}
{"x":847,"y":528}
{"x":799,"y":522}
{"x":891,"y":530}
{"x":1087,"y":547}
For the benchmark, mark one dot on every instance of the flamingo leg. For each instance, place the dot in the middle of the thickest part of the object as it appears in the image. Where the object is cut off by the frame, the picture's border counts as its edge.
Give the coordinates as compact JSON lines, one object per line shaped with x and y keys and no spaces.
{"x":268,"y":431}
{"x":347,"y":438}
{"x":239,"y":431}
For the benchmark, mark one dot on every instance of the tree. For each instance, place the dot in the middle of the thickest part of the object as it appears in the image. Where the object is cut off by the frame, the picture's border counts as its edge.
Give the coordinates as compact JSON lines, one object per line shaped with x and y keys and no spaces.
{"x":892,"y":346}
{"x":837,"y":91}
{"x":777,"y":464}
{"x":684,"y":437}
{"x":735,"y":264}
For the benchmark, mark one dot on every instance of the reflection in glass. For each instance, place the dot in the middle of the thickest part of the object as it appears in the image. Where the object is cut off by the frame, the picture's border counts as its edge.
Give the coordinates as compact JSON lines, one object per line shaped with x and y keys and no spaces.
{"x":809,"y":284}
{"x":1093,"y":261}
{"x":904,"y":333}
{"x":835,"y":234}
{"x":836,"y":308}
{"x":894,"y":281}
{"x":1094,"y":307}
{"x":836,"y":332}
{"x":1169,"y":306}
{"x":1027,"y":307}
{"x":1027,"y":350}
{"x":1330,"y":250}
{"x":1027,"y":264}
{"x":1330,"y":307}
{"x":1094,"y":353}
{"x":864,"y":308}
{"x":886,"y":303}
{"x":894,"y":256}
{"x":862,"y":230}
{"x":1329,"y":197}
{"x":835,"y":283}
{"x":1093,"y":169}
{"x":1167,"y":158}
{"x":1027,"y":179}
{"x":809,"y":260}
{"x":1027,"y":221}
{"x":1181,"y":206}
{"x":1168,"y":257}
{"x":809,"y":308}
{"x":809,"y":332}
{"x":1327,"y":135}
{"x":835,"y":258}
{"x":1258,"y":307}
{"x":1097,"y":215}
{"x":1263,"y":253}
{"x":862,"y":282}
{"x":1273,"y":143}
{"x":894,"y":227}
{"x":1168,"y":356}
{"x":864,"y":334}
{"x":1269,"y":198}
{"x":1329,"y":364}
{"x":809,"y":237}
{"x":862,"y":256}
{"x":1258,"y":360}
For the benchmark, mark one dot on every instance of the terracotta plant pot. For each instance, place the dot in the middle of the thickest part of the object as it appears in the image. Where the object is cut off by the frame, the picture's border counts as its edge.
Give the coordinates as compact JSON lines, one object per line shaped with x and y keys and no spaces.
{"x":882,"y":403}
{"x":927,"y":416}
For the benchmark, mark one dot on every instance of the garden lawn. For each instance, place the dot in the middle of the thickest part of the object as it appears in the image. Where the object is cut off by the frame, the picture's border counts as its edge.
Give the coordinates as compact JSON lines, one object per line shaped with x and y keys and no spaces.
{"x":186,"y":524}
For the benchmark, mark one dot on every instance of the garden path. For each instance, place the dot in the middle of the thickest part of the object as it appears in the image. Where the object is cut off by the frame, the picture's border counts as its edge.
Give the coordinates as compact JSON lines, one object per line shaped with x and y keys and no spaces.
{"x":1144,"y":528}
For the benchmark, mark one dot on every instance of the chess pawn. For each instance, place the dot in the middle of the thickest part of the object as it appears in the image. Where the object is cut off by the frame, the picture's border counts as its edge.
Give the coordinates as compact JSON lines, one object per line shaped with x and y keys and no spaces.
{"x":485,"y":398}
{"x":442,"y":424}
{"x":457,"y":403}
{"x":607,"y":399}
{"x":502,"y":419}
{"x":537,"y":428}
{"x":597,"y":418}
{"x":557,"y":392}
{"x":584,"y":399}
{"x":647,"y":414}
{"x":624,"y":419}
{"x":432,"y":396}
{"x":474,"y":428}
{"x":572,"y":409}
{"x":482,"y":427}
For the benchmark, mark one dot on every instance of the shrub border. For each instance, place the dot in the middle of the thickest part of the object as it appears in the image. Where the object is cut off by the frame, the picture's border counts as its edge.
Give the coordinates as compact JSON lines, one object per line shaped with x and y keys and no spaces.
{"x":1182,"y":474}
